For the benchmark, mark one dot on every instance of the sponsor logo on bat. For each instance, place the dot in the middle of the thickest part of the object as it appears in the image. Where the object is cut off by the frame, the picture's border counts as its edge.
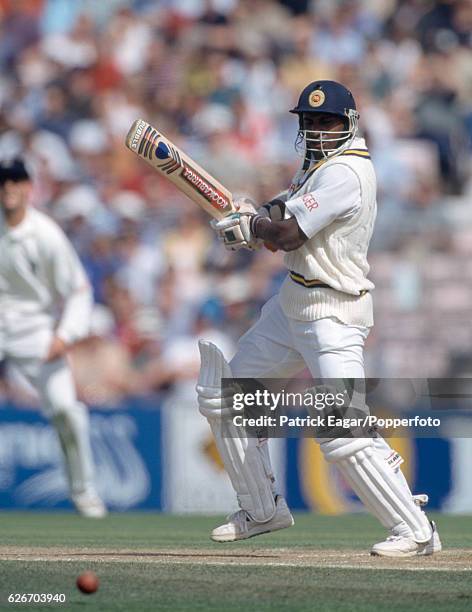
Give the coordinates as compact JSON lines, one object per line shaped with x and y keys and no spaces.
{"x":149,"y":138}
{"x":162,"y":151}
{"x":208,"y":192}
{"x":155,"y":136}
{"x":137,"y":135}
{"x":171,"y":157}
{"x":144,"y":141}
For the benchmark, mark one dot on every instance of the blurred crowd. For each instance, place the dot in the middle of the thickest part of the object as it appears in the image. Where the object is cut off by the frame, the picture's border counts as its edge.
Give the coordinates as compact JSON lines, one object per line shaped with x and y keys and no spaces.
{"x":218,"y":77}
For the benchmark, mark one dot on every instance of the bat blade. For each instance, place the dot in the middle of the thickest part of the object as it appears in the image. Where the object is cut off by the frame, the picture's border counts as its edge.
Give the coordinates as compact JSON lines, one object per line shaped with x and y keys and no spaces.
{"x":167,"y":158}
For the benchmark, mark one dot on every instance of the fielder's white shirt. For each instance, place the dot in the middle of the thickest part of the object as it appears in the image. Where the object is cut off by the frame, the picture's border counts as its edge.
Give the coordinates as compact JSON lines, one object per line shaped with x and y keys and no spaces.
{"x":39,"y":272}
{"x":335,"y":206}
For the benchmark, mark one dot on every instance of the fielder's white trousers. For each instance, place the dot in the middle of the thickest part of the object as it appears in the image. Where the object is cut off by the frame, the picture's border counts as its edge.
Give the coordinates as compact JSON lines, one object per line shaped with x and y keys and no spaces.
{"x":25,"y":346}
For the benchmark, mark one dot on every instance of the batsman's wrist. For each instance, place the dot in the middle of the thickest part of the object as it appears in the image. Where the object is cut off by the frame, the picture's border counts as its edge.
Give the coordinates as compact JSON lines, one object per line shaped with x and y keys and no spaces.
{"x":257,"y":223}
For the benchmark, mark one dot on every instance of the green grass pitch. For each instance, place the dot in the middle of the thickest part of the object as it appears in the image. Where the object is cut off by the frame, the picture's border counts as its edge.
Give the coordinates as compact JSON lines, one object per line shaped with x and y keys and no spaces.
{"x":159,"y":562}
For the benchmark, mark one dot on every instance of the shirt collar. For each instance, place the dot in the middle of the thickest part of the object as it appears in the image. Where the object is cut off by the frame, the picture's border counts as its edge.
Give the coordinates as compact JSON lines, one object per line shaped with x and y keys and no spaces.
{"x":19,"y":231}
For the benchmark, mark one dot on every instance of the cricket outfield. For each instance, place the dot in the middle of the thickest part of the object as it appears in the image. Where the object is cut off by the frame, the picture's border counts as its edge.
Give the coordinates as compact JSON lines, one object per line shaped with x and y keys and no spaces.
{"x":161,"y":562}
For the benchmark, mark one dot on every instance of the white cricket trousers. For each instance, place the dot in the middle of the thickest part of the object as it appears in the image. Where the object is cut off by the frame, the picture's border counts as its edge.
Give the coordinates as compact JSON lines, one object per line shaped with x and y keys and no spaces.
{"x":25,"y":347}
{"x":277,"y":346}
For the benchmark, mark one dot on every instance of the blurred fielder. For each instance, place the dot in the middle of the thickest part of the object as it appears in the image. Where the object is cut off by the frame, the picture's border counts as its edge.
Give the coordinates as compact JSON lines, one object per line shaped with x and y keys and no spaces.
{"x":320,"y":319}
{"x":40,"y":273}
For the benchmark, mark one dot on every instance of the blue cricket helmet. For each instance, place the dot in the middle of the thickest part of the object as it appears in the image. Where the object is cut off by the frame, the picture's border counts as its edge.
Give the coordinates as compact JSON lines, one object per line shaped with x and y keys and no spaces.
{"x":332,"y":98}
{"x":325,"y":97}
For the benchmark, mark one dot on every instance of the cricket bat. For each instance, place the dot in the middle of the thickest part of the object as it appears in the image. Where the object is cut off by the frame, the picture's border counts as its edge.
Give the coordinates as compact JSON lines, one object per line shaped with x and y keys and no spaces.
{"x":168,"y":159}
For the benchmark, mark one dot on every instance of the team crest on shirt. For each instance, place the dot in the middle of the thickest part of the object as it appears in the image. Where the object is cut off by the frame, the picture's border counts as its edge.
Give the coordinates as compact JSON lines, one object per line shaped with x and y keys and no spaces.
{"x":316,"y":98}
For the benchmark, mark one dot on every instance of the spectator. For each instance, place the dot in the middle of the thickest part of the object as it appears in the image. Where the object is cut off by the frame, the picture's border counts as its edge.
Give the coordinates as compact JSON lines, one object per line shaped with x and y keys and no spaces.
{"x":218,"y":77}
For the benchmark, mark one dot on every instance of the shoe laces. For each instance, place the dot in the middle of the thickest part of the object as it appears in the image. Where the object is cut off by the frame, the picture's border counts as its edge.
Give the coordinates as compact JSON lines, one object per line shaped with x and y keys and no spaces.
{"x":239,"y":518}
{"x":395,"y":538}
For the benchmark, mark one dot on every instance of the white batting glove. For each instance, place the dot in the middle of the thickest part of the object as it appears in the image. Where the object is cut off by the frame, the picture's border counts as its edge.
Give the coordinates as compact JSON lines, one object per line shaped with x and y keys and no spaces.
{"x":235,"y":229}
{"x":235,"y":232}
{"x":245,"y":205}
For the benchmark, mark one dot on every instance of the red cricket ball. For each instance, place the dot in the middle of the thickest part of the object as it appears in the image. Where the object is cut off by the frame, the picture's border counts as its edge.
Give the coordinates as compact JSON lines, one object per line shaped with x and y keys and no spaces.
{"x":87,"y":582}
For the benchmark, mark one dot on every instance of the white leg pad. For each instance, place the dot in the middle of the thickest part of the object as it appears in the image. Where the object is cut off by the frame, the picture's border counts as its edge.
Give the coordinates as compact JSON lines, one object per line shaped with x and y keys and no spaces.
{"x":246,"y":460}
{"x":393,"y":459}
{"x":376,"y":486}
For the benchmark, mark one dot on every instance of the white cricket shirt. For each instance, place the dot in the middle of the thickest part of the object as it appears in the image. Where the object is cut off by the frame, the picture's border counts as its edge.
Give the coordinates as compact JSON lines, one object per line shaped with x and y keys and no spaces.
{"x":39,"y":274}
{"x":335,"y":206}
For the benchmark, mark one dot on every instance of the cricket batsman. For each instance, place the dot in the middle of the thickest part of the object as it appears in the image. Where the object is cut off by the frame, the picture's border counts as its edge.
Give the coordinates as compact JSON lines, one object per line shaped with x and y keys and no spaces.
{"x":320,"y":319}
{"x":41,"y":274}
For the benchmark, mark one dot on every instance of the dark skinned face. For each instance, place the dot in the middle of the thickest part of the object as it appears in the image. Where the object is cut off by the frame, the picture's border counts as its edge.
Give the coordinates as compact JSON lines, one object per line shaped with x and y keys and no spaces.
{"x":322,"y":121}
{"x":314,"y":123}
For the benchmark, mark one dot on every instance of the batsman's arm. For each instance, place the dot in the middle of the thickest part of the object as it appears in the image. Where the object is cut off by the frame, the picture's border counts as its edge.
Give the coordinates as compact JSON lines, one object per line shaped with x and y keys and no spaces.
{"x":249,"y":226}
{"x":337,"y":195}
{"x":275,"y":208}
{"x":285,"y":234}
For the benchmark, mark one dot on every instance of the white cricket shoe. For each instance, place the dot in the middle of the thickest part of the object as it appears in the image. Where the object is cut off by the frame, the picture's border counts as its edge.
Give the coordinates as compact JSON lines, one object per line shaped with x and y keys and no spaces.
{"x":89,"y":505}
{"x":241,"y":526}
{"x":401,"y":546}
